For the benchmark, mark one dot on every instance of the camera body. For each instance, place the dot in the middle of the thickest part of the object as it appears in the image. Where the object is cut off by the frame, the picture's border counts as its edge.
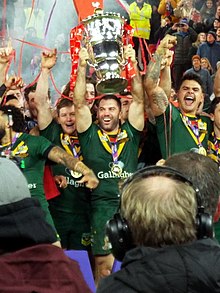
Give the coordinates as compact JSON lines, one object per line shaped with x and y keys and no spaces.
{"x":180,"y":25}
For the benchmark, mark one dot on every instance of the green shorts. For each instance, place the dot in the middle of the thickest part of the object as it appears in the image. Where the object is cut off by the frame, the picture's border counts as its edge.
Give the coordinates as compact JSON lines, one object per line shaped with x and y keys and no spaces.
{"x":74,"y":229}
{"x":101,"y":213}
{"x":45,"y":207}
{"x":217,"y":230}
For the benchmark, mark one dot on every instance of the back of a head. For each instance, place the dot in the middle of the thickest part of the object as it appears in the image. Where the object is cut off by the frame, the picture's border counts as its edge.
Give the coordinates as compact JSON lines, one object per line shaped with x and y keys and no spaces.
{"x":160,"y":209}
{"x":22,"y":220}
{"x":17,"y":117}
{"x":13,"y":184}
{"x":204,"y":174}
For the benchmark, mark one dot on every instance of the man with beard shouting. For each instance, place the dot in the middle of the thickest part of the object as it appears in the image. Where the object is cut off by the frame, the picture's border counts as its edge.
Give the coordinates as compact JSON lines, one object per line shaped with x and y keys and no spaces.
{"x":178,"y":129}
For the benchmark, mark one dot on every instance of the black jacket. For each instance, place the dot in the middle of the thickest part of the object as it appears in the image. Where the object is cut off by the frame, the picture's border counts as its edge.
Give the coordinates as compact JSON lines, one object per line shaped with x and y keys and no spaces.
{"x":23,"y":224}
{"x":187,"y":268}
{"x":184,"y":43}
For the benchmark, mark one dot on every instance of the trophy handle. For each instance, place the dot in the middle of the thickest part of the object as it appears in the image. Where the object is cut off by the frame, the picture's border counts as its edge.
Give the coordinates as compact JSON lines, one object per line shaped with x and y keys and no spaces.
{"x":124,"y":63}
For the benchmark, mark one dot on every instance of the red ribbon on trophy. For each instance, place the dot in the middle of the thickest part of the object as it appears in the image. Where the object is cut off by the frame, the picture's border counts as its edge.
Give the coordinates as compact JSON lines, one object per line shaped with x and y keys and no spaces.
{"x":76,"y":37}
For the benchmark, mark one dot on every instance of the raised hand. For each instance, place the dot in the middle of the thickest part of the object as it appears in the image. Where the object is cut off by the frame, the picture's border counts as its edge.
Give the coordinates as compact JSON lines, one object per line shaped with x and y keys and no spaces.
{"x":129,"y":52}
{"x":5,"y":54}
{"x":48,"y":59}
{"x":166,"y":43}
{"x":83,"y":56}
{"x":14,"y":82}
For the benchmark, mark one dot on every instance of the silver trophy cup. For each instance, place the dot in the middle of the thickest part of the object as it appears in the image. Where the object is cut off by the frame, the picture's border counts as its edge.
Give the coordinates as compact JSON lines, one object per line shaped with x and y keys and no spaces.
{"x":102,"y":37}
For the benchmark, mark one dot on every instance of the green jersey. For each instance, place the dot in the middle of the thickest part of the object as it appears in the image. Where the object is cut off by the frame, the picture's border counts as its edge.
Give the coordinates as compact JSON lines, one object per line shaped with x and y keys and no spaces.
{"x":71,"y":209}
{"x":74,"y":196}
{"x":33,"y":152}
{"x":213,"y":148}
{"x":99,"y":156}
{"x":181,"y":133}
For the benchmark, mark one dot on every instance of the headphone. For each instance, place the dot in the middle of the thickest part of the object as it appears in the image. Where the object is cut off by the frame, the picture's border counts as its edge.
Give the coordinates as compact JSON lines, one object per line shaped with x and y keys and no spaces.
{"x":118,"y":231}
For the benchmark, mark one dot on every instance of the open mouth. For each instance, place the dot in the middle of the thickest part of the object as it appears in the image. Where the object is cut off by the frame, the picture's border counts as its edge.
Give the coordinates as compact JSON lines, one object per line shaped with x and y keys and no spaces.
{"x":189,"y":100}
{"x":106,"y":120}
{"x":69,"y":125}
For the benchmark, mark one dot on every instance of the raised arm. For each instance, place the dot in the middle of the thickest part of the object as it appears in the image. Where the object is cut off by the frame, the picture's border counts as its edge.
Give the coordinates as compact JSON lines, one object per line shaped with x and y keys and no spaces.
{"x":13,"y":82}
{"x":216,"y":85}
{"x":156,"y":94}
{"x":136,"y":109}
{"x":48,"y":60}
{"x":82,"y":111}
{"x":59,"y":156}
{"x":165,"y":75}
{"x":5,"y":56}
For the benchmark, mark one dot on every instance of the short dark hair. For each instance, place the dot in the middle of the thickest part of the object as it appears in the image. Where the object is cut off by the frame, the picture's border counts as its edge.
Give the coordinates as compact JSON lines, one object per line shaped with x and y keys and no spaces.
{"x":213,"y":105}
{"x":64,"y":103}
{"x":29,"y":89}
{"x":32,"y":88}
{"x":204,"y":174}
{"x":192,"y":76}
{"x":17,"y":117}
{"x":110,"y":97}
{"x":7,"y":99}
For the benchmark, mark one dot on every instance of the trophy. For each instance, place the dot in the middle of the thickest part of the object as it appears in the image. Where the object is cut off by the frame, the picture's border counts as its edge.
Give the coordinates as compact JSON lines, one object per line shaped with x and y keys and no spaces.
{"x":104,"y":35}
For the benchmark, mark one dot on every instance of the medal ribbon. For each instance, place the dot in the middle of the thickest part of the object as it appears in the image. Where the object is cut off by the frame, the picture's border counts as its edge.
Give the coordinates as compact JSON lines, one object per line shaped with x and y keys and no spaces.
{"x":8,"y":151}
{"x":193,"y":130}
{"x":216,"y":148}
{"x":115,"y":153}
{"x":115,"y":148}
{"x":69,"y":145}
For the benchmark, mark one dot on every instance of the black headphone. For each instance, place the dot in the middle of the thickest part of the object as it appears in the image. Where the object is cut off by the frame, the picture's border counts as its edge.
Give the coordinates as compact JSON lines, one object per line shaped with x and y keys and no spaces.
{"x":117,"y":229}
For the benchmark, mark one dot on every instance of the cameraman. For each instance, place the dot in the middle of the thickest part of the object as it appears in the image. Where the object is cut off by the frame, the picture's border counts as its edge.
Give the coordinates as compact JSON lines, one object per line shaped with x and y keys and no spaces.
{"x":159,"y":229}
{"x":182,"y":61}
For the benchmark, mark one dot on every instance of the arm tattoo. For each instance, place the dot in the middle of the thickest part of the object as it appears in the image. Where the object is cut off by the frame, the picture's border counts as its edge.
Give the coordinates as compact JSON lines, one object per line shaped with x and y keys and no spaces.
{"x":153,"y":71}
{"x":159,"y":98}
{"x":59,"y":156}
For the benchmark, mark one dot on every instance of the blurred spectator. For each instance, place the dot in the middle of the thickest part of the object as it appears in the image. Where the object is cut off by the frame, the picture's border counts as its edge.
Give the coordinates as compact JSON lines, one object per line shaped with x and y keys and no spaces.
{"x":217,"y":15}
{"x":210,"y":49}
{"x":166,"y":8}
{"x":203,"y":73}
{"x":207,"y":12}
{"x":205,"y":64}
{"x":166,"y":23}
{"x":215,"y":25}
{"x":198,"y":4}
{"x":184,"y":9}
{"x":218,"y":35}
{"x":140,"y":14}
{"x":217,"y":67}
{"x":185,"y":37}
{"x":201,"y":38}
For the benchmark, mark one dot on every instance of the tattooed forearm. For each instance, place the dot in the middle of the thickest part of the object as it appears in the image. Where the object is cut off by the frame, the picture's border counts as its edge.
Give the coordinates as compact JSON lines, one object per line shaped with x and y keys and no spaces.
{"x":159,"y":99}
{"x":153,"y":71}
{"x":59,"y":156}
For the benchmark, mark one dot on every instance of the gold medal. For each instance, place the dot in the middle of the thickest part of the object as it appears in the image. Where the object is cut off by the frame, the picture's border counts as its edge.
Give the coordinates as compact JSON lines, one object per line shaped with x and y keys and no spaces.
{"x":116,"y":169}
{"x":75,"y":174}
{"x":202,"y":151}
